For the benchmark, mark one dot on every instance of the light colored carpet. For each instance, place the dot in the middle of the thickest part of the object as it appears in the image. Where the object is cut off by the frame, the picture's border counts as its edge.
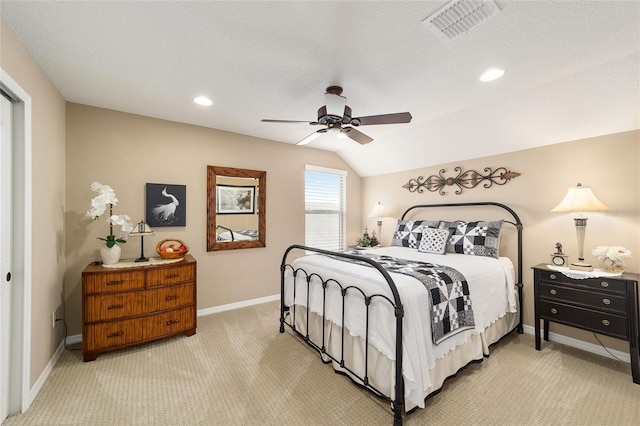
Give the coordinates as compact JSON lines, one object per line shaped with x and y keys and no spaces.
{"x":238,"y":370}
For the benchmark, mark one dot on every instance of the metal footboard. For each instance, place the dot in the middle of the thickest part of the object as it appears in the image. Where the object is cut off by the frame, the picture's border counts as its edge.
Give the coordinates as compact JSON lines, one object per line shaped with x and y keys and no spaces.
{"x":397,"y":403}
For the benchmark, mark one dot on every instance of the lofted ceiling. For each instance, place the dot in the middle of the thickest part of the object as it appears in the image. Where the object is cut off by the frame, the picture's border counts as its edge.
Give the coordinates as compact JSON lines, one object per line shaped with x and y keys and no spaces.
{"x":571,"y":70}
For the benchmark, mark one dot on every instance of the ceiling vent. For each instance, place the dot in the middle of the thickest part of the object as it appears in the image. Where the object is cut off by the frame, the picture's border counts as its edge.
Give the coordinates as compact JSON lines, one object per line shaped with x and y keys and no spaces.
{"x":459,"y":16}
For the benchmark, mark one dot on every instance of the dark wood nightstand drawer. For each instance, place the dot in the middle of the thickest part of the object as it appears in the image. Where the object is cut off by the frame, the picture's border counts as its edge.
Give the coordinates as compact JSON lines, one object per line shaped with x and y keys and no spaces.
{"x":600,"y":322}
{"x":599,"y":300}
{"x":603,"y":284}
{"x":605,"y":305}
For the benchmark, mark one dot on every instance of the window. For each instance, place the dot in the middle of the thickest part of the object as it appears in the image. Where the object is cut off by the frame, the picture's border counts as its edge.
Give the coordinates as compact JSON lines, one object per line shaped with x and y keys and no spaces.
{"x":324,"y":195}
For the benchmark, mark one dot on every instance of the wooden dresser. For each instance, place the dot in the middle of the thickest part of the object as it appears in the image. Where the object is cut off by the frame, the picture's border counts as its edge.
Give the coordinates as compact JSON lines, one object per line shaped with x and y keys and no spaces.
{"x":129,"y":306}
{"x":609,"y":306}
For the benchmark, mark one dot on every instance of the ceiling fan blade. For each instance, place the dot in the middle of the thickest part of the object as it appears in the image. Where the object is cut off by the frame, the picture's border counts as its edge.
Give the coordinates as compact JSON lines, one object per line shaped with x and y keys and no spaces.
{"x":335,"y":104}
{"x":356,"y":135}
{"x":396,"y":118}
{"x":312,"y":136}
{"x":267,"y":120}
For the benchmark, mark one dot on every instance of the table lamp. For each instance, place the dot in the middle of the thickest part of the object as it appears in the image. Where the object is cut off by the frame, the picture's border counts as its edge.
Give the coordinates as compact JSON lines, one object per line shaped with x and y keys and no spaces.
{"x":378,"y":212}
{"x":580,"y":199}
{"x":141,"y":229}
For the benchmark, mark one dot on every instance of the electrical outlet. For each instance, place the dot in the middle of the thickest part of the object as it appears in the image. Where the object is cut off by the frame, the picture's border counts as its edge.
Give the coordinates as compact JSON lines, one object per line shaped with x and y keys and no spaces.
{"x":53,"y":319}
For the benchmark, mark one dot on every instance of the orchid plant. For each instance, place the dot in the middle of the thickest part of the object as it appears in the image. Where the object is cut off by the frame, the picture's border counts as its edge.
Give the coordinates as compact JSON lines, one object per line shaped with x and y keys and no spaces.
{"x":611,"y":257}
{"x":107,"y":197}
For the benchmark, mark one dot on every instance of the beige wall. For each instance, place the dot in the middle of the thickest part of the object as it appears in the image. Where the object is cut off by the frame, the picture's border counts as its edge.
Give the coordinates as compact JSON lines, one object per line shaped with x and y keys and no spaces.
{"x":126,"y":151}
{"x":48,"y":201}
{"x":609,"y":164}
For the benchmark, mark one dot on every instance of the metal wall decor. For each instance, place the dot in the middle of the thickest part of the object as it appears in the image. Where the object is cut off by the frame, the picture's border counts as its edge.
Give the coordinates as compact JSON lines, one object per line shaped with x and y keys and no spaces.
{"x":464,"y":180}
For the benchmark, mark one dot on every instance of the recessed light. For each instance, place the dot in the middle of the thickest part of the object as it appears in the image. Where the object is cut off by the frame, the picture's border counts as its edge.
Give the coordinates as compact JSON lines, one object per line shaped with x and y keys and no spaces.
{"x":492,"y":74}
{"x":203,"y":100}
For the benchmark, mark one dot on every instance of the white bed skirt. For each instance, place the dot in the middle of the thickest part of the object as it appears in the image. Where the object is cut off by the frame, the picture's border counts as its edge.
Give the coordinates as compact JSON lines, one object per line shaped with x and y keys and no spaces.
{"x":381,"y":372}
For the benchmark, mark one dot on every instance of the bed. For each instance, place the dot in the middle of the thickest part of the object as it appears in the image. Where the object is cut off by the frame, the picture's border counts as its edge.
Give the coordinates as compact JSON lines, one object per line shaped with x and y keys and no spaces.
{"x":229,"y":234}
{"x":368,"y":311}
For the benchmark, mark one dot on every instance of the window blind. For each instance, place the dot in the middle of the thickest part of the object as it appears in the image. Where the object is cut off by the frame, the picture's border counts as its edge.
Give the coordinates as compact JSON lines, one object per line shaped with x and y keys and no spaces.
{"x":325,"y":208}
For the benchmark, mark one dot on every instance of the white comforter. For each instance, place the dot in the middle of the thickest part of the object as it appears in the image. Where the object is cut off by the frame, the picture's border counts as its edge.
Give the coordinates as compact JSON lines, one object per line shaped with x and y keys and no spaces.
{"x":491,"y":287}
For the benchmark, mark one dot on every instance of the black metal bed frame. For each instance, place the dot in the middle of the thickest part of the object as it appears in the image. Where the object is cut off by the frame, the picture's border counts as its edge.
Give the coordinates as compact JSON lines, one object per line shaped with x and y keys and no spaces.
{"x":397,"y":403}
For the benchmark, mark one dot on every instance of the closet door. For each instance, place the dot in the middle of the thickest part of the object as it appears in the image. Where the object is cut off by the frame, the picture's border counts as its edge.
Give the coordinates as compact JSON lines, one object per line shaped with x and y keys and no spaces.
{"x":6,"y":161}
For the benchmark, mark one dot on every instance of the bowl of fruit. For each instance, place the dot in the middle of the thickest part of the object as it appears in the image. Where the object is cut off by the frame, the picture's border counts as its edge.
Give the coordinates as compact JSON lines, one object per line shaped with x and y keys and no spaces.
{"x":172,"y":249}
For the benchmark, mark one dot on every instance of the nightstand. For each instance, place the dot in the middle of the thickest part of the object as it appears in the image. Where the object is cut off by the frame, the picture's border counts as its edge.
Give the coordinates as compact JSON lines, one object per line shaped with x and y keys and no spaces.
{"x":606,"y":305}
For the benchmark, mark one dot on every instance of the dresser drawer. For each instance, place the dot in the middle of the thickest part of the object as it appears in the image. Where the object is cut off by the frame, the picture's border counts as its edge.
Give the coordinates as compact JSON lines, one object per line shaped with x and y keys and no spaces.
{"x":107,"y":335}
{"x":169,"y":323}
{"x":171,"y":275}
{"x":603,"y":284}
{"x":600,"y":322}
{"x":598,"y":300}
{"x":104,"y":307}
{"x":112,"y":282}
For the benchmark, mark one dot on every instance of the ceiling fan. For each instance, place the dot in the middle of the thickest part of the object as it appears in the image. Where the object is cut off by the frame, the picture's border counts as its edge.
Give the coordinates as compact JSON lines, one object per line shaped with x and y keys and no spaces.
{"x":336,"y":116}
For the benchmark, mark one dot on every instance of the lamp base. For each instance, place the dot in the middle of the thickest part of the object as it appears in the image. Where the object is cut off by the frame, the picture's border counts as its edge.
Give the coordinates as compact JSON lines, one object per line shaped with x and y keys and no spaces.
{"x":581,"y":266}
{"x":142,"y":259}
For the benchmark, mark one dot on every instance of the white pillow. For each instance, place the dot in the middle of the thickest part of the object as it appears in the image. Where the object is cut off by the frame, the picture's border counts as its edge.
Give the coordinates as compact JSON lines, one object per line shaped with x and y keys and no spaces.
{"x":434,"y":240}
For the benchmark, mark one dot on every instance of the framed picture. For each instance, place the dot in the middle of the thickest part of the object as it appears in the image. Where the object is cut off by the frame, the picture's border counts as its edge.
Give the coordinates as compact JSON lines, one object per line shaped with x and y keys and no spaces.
{"x":235,"y":199}
{"x":165,"y":205}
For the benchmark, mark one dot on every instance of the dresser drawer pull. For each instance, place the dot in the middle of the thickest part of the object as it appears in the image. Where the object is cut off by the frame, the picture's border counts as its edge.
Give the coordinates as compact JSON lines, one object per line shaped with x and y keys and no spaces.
{"x":552,"y":276}
{"x":554,"y":311}
{"x":171,"y":297}
{"x":604,"y":284}
{"x":119,"y":282}
{"x":171,"y":322}
{"x":172,"y":275}
{"x":553,"y":291}
{"x":605,"y":322}
{"x":606,"y":301}
{"x":116,"y":334}
{"x":115,"y":306}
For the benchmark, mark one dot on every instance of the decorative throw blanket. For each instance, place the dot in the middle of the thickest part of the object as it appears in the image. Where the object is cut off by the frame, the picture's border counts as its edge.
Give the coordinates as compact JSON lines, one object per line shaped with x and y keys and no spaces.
{"x":450,"y":309}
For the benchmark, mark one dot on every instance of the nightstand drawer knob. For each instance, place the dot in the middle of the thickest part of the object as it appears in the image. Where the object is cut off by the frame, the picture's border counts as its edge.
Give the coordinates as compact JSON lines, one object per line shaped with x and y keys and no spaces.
{"x":552,"y":276}
{"x":606,"y":301}
{"x":605,"y":322}
{"x":553,"y":291}
{"x":604,"y":284}
{"x":554,"y":311}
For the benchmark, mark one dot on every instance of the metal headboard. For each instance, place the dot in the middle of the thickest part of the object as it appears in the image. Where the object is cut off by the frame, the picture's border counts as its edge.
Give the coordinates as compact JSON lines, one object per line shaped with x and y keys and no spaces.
{"x":518,"y":225}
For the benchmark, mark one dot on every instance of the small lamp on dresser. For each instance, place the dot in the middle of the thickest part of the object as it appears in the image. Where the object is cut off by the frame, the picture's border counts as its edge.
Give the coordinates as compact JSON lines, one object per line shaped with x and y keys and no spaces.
{"x":141,"y":230}
{"x":580,"y":199}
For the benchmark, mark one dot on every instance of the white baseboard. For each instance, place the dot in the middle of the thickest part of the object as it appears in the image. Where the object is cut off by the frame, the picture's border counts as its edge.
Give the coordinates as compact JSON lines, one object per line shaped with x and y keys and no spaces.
{"x":35,"y":389}
{"x":77,"y":338}
{"x":580,"y":344}
{"x":238,"y":305}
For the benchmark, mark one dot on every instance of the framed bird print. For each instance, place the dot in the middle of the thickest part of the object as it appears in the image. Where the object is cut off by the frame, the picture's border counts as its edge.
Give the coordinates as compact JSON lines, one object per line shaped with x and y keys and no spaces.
{"x":165,"y":204}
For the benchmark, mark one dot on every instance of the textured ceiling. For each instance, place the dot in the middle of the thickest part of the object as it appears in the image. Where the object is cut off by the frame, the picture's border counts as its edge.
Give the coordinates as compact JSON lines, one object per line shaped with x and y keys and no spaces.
{"x":572,"y":70}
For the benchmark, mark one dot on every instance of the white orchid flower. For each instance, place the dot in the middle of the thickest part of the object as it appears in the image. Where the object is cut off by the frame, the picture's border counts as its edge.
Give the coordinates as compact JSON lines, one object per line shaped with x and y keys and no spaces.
{"x":125,"y":222}
{"x":107,"y":198}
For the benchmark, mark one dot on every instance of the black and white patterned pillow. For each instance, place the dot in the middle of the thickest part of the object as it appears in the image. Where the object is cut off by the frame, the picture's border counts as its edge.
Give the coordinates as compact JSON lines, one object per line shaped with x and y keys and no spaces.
{"x":474,"y":238}
{"x":409,"y":232}
{"x":434,"y":240}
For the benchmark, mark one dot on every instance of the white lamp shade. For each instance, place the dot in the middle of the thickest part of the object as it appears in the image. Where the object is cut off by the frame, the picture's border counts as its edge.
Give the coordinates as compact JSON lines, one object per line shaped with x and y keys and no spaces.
{"x":580,"y":199}
{"x":377,"y":211}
